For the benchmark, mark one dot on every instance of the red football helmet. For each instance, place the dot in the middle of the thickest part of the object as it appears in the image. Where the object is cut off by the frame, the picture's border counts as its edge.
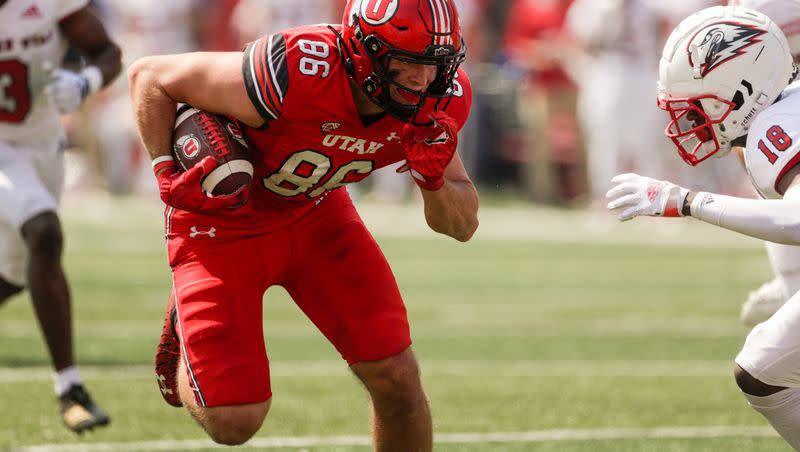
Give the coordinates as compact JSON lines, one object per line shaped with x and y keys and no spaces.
{"x":414,"y":31}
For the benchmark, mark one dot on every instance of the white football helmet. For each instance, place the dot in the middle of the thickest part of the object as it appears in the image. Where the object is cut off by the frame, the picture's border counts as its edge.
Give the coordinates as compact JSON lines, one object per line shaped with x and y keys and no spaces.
{"x":721,"y":66}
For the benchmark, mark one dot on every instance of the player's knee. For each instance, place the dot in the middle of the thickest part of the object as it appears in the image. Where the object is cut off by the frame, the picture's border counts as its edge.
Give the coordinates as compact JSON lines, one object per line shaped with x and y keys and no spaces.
{"x":751,"y":385}
{"x":43,"y":235}
{"x":234,"y":425}
{"x":393,"y":381}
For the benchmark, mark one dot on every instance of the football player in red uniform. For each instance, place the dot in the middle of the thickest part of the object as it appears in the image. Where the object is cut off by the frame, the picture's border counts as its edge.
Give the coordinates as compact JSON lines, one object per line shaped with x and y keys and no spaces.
{"x":322,"y":106}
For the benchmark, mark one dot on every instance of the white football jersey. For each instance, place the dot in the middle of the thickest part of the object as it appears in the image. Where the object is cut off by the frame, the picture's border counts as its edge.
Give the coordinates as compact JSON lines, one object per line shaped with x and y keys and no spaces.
{"x":773,"y":142}
{"x":30,"y":44}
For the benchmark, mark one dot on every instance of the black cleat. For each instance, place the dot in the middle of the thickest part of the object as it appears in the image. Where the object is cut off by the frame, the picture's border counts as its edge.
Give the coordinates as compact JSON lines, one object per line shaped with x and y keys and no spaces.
{"x":79,"y":412}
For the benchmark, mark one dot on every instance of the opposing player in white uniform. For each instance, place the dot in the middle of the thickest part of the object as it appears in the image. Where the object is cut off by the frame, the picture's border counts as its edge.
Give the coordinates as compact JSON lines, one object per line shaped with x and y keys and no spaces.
{"x":785,"y":259}
{"x":34,"y":91}
{"x":723,"y":79}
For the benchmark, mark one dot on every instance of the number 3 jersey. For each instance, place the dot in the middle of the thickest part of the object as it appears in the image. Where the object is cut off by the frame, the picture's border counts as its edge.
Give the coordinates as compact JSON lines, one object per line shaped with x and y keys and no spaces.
{"x":314,"y":141}
{"x":773,"y":143}
{"x":30,"y":46}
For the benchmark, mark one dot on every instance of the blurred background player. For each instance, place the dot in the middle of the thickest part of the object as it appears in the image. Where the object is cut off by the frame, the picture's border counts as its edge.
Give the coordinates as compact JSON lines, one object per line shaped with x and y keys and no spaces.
{"x":616,"y":69}
{"x":34,"y":91}
{"x":153,"y":27}
{"x":147,"y":27}
{"x":723,"y":80}
{"x":613,"y":66}
{"x":323,"y":106}
{"x":784,"y":259}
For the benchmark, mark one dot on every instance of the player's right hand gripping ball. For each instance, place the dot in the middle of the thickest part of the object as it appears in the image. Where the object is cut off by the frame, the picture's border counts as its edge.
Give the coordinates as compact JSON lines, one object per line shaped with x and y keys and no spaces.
{"x":214,"y":168}
{"x":199,"y":134}
{"x":429,"y":150}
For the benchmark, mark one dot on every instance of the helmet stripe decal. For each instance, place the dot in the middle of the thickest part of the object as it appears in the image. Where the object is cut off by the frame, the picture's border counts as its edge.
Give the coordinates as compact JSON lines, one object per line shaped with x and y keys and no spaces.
{"x":441,"y":20}
{"x":436,"y":22}
{"x":447,"y":22}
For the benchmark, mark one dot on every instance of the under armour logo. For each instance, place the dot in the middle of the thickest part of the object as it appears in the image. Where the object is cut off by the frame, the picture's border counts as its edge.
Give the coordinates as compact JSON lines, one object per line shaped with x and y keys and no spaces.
{"x":195,"y":232}
{"x":162,"y":384}
{"x":392,"y":136}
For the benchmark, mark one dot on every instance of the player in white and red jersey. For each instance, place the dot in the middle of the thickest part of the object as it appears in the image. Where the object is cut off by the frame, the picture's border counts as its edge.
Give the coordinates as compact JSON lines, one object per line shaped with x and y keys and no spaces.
{"x":723,"y":79}
{"x":784,"y":259}
{"x":34,"y":91}
{"x":323,"y":106}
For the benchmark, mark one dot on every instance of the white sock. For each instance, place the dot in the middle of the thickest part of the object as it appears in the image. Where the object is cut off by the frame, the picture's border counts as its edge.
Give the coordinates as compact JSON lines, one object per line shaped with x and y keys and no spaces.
{"x":782,"y":410}
{"x":65,"y":378}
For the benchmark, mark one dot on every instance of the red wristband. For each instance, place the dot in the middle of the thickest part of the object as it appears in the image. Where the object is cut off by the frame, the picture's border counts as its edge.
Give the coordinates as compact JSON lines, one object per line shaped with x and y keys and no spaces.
{"x":163,"y":162}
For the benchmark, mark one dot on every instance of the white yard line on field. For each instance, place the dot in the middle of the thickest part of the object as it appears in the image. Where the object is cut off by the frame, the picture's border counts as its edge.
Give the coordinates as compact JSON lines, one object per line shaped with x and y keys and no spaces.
{"x":519,"y":221}
{"x":575,"y":368}
{"x":444,"y":438}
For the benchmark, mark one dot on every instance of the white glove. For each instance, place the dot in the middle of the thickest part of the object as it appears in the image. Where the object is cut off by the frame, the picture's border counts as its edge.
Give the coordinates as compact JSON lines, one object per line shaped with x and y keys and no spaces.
{"x":68,"y":90}
{"x":639,"y":195}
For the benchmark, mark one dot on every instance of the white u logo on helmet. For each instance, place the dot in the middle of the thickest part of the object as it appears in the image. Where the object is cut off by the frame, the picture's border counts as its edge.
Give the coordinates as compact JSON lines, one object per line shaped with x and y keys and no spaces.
{"x":377,"y":12}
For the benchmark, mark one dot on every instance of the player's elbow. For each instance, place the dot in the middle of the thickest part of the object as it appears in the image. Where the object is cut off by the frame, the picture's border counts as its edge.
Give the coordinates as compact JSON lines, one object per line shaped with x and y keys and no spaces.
{"x":789,"y":233}
{"x":467,"y":230}
{"x":147,"y":73}
{"x":140,"y":72}
{"x":785,"y":228}
{"x":461,"y":230}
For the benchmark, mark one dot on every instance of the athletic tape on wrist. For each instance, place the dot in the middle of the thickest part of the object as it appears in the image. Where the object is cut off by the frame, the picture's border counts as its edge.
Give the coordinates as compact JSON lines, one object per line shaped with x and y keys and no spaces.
{"x":162,"y":162}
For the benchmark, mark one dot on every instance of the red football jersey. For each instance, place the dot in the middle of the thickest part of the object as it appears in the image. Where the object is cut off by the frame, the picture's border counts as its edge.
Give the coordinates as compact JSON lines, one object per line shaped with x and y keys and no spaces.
{"x":315,"y":140}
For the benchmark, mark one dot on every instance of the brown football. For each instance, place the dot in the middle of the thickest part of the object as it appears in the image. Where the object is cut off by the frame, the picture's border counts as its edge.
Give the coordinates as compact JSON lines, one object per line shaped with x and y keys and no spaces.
{"x":198,"y":134}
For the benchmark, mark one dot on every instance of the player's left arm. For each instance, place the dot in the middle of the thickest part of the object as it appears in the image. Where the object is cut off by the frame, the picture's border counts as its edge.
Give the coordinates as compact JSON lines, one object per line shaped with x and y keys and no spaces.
{"x":453,"y":209}
{"x":84,"y":30}
{"x":773,"y":220}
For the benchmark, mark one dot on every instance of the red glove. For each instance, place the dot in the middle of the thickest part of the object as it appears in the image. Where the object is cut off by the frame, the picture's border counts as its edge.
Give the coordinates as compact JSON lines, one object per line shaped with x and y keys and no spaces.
{"x":429,"y":150}
{"x":184,"y":191}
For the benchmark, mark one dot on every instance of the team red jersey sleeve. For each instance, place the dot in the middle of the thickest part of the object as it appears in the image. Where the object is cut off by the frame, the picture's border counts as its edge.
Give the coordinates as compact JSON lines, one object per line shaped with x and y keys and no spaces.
{"x":266,"y":74}
{"x":462,"y":93}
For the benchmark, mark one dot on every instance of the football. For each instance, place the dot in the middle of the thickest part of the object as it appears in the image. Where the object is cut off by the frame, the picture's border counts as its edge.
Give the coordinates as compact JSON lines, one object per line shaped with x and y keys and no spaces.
{"x":198,"y":134}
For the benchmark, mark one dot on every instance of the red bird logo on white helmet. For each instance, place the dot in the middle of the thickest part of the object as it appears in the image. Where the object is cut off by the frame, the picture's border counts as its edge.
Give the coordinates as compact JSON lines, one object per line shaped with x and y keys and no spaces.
{"x":720,"y":42}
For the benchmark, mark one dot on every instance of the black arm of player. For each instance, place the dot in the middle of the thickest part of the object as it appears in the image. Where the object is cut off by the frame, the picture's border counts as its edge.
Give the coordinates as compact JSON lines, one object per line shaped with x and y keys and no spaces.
{"x":86,"y":32}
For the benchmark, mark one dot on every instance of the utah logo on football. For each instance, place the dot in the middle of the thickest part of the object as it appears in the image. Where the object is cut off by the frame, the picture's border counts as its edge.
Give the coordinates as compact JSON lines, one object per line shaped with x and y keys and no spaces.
{"x":188,"y":145}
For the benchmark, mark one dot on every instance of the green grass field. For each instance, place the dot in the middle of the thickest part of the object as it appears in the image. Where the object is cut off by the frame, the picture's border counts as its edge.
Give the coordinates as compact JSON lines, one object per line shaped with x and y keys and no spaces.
{"x":550,"y":331}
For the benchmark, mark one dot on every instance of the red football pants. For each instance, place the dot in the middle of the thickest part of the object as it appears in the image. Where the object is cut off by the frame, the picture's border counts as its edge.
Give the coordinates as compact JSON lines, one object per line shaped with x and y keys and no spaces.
{"x":327,"y":261}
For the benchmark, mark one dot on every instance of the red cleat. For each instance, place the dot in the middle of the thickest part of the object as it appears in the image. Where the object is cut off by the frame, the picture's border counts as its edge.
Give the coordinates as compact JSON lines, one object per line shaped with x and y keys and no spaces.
{"x":167,"y":356}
